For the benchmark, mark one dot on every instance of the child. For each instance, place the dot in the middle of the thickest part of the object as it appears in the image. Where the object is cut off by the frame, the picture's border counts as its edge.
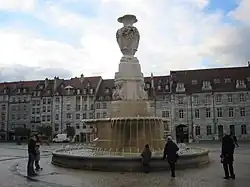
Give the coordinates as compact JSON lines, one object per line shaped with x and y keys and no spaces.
{"x":37,"y":159}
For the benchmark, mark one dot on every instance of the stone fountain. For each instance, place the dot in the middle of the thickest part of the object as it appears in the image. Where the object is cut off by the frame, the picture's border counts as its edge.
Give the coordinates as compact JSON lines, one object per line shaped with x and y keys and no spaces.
{"x":131,"y":125}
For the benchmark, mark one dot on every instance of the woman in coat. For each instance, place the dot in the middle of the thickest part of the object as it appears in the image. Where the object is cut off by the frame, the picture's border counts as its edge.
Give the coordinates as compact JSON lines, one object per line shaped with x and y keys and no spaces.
{"x":146,"y":158}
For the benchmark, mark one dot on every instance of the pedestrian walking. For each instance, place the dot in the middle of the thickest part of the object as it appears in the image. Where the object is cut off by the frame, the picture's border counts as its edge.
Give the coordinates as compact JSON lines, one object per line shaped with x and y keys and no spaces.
{"x":146,"y":158}
{"x":32,"y":156}
{"x":170,"y":151}
{"x":227,"y":156}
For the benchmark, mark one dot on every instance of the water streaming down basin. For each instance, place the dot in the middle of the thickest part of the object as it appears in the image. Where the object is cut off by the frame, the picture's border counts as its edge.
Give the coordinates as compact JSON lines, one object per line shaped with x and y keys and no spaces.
{"x":129,"y":135}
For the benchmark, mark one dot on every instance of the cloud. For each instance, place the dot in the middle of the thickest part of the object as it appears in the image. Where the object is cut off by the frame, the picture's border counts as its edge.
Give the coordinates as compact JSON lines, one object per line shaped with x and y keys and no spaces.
{"x":17,"y":5}
{"x":175,"y":34}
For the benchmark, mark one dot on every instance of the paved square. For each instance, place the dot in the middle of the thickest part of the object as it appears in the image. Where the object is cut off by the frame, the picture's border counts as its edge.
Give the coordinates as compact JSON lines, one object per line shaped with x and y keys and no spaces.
{"x":12,"y":172}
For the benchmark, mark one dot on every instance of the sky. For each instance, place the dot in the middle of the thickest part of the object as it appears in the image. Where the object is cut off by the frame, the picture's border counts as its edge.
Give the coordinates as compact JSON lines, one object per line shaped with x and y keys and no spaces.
{"x":66,"y":38}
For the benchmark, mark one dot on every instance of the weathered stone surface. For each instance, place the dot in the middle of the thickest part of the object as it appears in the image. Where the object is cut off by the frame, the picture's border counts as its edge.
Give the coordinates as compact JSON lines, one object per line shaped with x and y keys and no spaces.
{"x":126,"y":164}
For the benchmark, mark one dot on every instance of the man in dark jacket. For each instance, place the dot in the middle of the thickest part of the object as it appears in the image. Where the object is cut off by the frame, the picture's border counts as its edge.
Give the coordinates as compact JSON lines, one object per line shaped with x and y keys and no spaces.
{"x":227,"y":156}
{"x":32,"y":156}
{"x":146,"y":158}
{"x":170,"y":151}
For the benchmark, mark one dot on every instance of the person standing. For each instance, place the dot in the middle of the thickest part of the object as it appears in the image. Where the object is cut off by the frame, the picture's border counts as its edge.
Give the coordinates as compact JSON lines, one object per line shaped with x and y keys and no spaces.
{"x":37,"y":159}
{"x":227,"y":156}
{"x":146,"y":158}
{"x":170,"y":151}
{"x":32,"y":156}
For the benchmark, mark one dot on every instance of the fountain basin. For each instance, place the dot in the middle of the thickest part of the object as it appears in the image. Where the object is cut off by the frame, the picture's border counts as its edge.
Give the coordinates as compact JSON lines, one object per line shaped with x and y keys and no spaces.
{"x":131,"y":163}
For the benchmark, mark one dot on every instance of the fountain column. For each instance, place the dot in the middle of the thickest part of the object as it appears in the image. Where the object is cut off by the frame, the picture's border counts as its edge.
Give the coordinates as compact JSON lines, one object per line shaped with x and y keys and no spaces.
{"x":129,"y":98}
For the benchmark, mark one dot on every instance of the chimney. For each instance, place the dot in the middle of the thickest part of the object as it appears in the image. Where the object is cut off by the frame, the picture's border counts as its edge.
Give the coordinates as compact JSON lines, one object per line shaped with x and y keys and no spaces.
{"x":55,"y":82}
{"x":82,"y":78}
{"x":46,"y":82}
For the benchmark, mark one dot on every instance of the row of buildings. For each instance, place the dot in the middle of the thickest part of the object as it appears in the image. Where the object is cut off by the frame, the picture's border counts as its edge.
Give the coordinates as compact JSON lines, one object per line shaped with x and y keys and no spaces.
{"x":203,"y":103}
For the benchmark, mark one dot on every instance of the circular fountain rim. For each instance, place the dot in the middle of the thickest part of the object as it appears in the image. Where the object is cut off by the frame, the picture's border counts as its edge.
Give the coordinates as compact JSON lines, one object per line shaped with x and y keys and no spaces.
{"x":125,"y":118}
{"x":58,"y":152}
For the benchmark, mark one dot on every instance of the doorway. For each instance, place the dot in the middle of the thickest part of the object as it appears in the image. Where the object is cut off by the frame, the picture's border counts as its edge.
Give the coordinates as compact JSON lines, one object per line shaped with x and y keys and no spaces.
{"x":220,"y":132}
{"x":182,"y":134}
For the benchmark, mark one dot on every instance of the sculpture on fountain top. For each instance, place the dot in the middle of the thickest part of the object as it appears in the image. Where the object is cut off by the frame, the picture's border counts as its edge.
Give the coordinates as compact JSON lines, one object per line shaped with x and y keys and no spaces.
{"x":128,"y":36}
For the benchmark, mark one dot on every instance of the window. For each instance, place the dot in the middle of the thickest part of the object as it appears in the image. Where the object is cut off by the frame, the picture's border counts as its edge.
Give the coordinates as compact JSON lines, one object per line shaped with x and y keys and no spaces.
{"x":104,"y":105}
{"x":208,"y":113}
{"x":206,"y":85}
{"x":147,"y":85}
{"x":33,"y":102}
{"x":38,"y":103}
{"x":242,"y":97}
{"x":91,"y":91}
{"x":165,"y":114}
{"x":180,"y":100}
{"x":78,"y":91}
{"x":207,"y":99}
{"x":57,"y":107}
{"x":197,"y":130}
{"x":85,"y":107}
{"x":104,"y":114}
{"x":231,"y":112}
{"x":84,"y":91}
{"x":78,"y":107}
{"x":38,"y":110}
{"x":77,"y":116}
{"x":44,"y":101}
{"x":227,"y":80}
{"x":3,"y":116}
{"x":196,"y":99}
{"x":106,"y":90}
{"x":98,"y":115}
{"x":48,"y":117}
{"x":91,"y":115}
{"x":218,"y":98}
{"x":219,"y":112}
{"x":57,"y":99}
{"x":209,"y":130}
{"x":68,"y":125}
{"x":216,"y":81}
{"x":3,"y":107}
{"x":24,"y":107}
{"x":68,"y":115}
{"x":97,"y":105}
{"x":24,"y":116}
{"x":48,"y":108}
{"x":18,"y":116}
{"x":68,"y":106}
{"x":77,"y":126}
{"x":43,"y":118}
{"x":232,"y":129}
{"x":44,"y":108}
{"x":57,"y":117}
{"x":37,"y":119}
{"x":12,"y":116}
{"x":33,"y":110}
{"x":56,"y":127}
{"x":91,"y":107}
{"x":230,"y":98}
{"x":242,"y":112}
{"x":181,"y":113}
{"x":159,"y":87}
{"x":194,"y":82}
{"x":49,"y":101}
{"x":243,"y":129}
{"x":197,"y":113}
{"x":84,"y":116}
{"x":180,"y":86}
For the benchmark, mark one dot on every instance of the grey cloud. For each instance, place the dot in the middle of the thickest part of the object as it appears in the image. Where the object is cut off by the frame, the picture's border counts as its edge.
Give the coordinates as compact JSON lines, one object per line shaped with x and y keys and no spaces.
{"x":20,"y":72}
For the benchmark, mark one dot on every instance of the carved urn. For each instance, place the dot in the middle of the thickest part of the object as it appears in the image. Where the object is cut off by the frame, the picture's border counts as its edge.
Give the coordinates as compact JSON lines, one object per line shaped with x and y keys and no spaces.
{"x":128,"y":36}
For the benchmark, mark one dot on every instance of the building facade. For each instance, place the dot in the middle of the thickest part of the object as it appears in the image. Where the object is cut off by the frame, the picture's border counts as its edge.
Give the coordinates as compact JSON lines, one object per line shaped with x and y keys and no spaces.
{"x":196,"y":104}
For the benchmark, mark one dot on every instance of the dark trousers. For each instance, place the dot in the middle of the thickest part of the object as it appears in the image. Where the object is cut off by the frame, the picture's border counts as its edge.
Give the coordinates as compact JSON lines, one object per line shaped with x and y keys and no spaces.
{"x":37,"y":165}
{"x":30,"y":165}
{"x":146,"y":168}
{"x":228,"y":168}
{"x":172,"y":168}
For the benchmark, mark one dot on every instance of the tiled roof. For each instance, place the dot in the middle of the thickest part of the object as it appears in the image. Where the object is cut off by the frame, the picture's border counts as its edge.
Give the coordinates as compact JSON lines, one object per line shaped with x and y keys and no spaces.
{"x":106,"y":84}
{"x":219,"y":78}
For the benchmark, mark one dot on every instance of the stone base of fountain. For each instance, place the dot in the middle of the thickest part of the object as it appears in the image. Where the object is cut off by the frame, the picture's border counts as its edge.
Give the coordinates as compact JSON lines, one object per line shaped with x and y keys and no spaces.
{"x":126,"y":163}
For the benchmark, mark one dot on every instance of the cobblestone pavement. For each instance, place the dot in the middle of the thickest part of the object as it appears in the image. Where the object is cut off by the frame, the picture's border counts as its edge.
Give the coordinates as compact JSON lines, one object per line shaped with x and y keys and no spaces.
{"x":12,"y":173}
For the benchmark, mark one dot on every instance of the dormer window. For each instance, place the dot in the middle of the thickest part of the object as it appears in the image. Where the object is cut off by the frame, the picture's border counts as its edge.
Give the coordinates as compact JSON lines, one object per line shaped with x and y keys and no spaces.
{"x":147,"y":85}
{"x":41,"y":87}
{"x":78,"y":91}
{"x":227,"y":80}
{"x":18,"y":90}
{"x":216,"y":81}
{"x":166,"y":87}
{"x":48,"y":92}
{"x":194,"y":82}
{"x":62,"y":86}
{"x":91,"y":91}
{"x":206,"y":85}
{"x":24,"y":90}
{"x":88,"y":84}
{"x":159,"y":87}
{"x":38,"y":93}
{"x":84,"y":91}
{"x":180,"y":87}
{"x":5,"y":91}
{"x":68,"y":91}
{"x":240,"y":84}
{"x":106,"y":90}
